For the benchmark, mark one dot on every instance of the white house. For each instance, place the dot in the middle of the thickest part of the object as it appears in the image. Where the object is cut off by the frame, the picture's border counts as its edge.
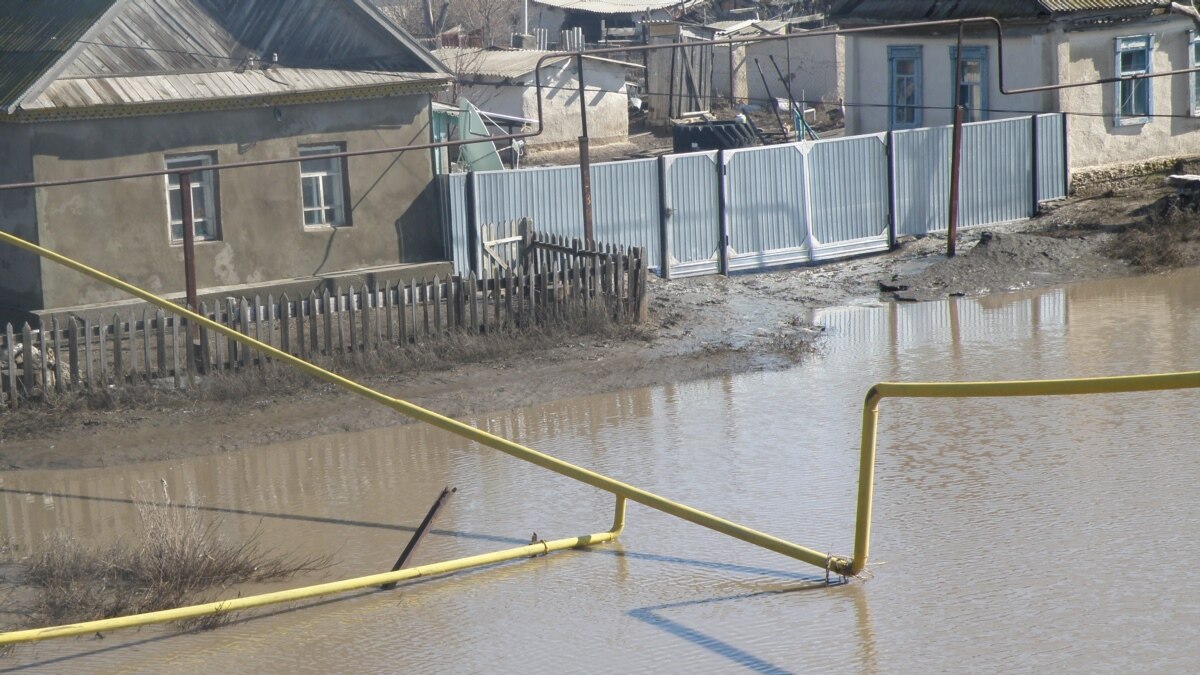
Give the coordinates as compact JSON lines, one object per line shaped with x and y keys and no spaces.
{"x":589,"y":15}
{"x":814,"y":65}
{"x":502,"y":81}
{"x":905,"y":78}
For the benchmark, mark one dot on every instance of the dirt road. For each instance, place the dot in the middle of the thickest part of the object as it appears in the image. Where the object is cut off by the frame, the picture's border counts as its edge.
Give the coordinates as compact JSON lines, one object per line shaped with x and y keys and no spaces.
{"x":698,"y":328}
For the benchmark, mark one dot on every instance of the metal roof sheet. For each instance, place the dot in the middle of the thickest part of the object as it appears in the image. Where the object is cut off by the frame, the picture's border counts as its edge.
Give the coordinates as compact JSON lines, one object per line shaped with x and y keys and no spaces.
{"x":617,"y":6}
{"x":504,"y":63}
{"x":933,"y":10}
{"x":41,"y":40}
{"x":189,"y":87}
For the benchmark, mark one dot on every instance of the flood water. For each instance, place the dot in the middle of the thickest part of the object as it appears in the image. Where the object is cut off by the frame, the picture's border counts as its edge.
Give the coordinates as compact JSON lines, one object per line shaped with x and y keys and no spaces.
{"x":1013,"y":534}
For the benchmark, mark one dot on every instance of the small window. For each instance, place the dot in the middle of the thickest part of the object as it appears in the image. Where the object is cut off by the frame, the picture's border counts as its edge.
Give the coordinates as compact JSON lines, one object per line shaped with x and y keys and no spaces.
{"x":1133,"y":96}
{"x":1193,"y":78}
{"x":972,"y":82}
{"x":904,"y":87}
{"x":205,"y":222}
{"x":323,"y":187}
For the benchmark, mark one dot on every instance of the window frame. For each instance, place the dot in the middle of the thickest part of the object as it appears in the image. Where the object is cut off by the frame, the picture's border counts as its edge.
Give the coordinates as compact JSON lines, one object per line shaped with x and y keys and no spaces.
{"x":1131,"y":44}
{"x":913,"y":53}
{"x":341,"y":183}
{"x":971,"y":53}
{"x":209,"y":201}
{"x":1193,"y":78}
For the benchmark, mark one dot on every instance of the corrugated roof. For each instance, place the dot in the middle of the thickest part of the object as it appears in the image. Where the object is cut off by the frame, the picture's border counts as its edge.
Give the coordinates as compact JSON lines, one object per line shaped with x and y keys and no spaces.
{"x":503,"y":63}
{"x":171,"y":37}
{"x":35,"y":35}
{"x":933,"y":10}
{"x":191,"y":87}
{"x":616,"y":6}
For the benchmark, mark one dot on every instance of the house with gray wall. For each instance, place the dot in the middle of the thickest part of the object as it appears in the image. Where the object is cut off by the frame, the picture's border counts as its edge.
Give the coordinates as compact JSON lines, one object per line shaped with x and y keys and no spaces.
{"x":906,"y":77}
{"x":91,"y":88}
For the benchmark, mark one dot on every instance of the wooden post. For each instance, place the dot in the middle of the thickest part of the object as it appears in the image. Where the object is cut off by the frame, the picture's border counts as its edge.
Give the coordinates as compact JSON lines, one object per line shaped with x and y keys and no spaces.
{"x":416,"y":331}
{"x":437,"y":305}
{"x":58,"y":359}
{"x":387,"y":308}
{"x":402,"y":322}
{"x":955,"y":149}
{"x":103,"y":352}
{"x":285,"y":337}
{"x":327,"y":315}
{"x":1033,"y":163}
{"x":160,"y":342}
{"x":175,"y":352}
{"x":27,"y":347}
{"x":302,"y":329}
{"x":45,"y":360}
{"x":89,"y":379}
{"x":10,"y":366}
{"x":643,"y":297}
{"x":425,"y":305}
{"x":73,"y":349}
{"x":351,"y":295}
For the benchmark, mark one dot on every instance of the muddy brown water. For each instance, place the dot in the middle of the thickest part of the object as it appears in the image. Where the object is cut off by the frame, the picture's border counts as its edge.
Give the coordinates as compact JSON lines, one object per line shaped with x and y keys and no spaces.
{"x":1011,"y":534}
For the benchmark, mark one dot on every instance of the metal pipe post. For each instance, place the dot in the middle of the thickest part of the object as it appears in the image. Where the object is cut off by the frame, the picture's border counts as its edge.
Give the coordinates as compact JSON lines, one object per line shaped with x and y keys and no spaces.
{"x":189,"y":240}
{"x":585,"y":164}
{"x":956,"y":149}
{"x":422,"y":529}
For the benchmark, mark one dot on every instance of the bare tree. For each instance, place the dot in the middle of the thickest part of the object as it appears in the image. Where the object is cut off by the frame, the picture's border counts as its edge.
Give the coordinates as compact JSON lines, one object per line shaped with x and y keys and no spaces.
{"x":496,"y":19}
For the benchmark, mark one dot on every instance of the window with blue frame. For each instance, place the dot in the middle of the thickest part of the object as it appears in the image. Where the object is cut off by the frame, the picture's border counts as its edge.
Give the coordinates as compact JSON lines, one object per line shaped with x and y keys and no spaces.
{"x":904,"y":87}
{"x":972,"y":81}
{"x":1133,"y":105}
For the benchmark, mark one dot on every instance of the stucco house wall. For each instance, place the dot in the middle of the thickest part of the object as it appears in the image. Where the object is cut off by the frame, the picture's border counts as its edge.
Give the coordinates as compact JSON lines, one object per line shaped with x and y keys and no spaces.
{"x":606,"y":94}
{"x":815,"y":70}
{"x":1055,"y":53}
{"x":262,"y":235}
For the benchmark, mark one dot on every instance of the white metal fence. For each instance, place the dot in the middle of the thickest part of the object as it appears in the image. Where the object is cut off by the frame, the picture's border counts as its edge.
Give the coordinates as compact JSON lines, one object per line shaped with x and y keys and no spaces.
{"x":775,"y":205}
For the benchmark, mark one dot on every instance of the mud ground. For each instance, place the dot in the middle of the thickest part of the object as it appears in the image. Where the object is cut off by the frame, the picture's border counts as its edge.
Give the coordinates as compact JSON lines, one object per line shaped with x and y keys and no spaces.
{"x":698,"y":328}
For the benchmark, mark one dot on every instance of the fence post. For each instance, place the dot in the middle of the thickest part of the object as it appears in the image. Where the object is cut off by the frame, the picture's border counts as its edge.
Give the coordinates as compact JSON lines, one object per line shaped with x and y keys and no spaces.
{"x":664,"y":220}
{"x":10,"y":365}
{"x":1066,"y":158}
{"x":474,"y":243}
{"x":722,"y":216}
{"x":1033,"y":163}
{"x":890,"y":140}
{"x":27,"y":366}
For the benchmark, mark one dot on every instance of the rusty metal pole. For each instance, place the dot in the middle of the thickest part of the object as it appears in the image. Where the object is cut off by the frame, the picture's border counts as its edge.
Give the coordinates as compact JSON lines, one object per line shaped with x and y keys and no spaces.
{"x":585,"y":165}
{"x":955,"y":149}
{"x":420,"y":532}
{"x":189,"y":240}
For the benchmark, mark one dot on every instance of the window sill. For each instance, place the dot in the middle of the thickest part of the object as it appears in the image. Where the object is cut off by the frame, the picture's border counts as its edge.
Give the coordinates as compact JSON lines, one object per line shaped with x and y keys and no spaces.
{"x":324,"y":228}
{"x":1131,"y":121}
{"x":178,"y":243}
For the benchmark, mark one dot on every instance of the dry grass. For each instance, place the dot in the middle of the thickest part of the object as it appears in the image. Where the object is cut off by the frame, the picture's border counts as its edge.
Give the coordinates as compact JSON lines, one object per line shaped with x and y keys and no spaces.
{"x":176,"y":557}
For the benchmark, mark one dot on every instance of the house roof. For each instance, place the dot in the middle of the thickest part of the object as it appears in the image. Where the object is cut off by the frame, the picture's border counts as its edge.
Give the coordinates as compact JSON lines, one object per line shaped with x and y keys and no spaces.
{"x":933,"y":10}
{"x":68,"y":52}
{"x":617,"y":6}
{"x":504,"y":63}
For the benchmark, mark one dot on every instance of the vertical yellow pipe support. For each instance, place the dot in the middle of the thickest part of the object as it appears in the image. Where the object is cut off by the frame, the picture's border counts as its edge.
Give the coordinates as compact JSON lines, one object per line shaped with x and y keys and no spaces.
{"x":866,"y":482}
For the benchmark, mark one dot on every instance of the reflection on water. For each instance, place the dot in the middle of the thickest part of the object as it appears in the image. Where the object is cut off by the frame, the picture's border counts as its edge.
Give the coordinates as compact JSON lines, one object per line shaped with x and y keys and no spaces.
{"x":1009,"y":534}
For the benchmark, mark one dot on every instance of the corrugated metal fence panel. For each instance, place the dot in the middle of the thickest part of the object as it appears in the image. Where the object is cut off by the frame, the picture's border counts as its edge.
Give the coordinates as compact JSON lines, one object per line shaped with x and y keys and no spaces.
{"x":454,"y":217}
{"x":849,"y":182}
{"x":765,"y":202}
{"x":997,"y":172}
{"x":692,"y":213}
{"x":1052,"y":175}
{"x":625,"y":205}
{"x":922,"y":158}
{"x":550,"y":196}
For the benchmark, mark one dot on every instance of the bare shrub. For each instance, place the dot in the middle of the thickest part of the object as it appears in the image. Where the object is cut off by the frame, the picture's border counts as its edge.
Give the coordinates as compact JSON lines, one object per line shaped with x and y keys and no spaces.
{"x":1159,"y":240}
{"x":176,"y":556}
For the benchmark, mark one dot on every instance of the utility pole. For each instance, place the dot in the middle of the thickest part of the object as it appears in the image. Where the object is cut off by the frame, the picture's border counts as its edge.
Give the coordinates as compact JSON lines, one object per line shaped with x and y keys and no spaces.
{"x":585,"y":167}
{"x":956,"y":148}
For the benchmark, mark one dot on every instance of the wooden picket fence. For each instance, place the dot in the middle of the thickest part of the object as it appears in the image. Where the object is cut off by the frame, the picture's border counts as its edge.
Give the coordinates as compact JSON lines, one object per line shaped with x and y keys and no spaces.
{"x":558,"y":281}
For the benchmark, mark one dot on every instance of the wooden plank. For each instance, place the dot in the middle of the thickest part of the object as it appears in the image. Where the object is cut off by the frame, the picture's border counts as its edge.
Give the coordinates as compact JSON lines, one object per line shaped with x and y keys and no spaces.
{"x":402,"y":314}
{"x":44,"y":366}
{"x":414,"y":301}
{"x":218,"y":338}
{"x":437,"y":305}
{"x":619,"y":284}
{"x":351,"y":298}
{"x":483,"y":300}
{"x":258,"y":308}
{"x":301,"y":334}
{"x":270,"y":309}
{"x":58,"y":360}
{"x":175,"y":352}
{"x":88,"y":372}
{"x":425,"y":305}
{"x":377,"y":316}
{"x":160,"y":342}
{"x":28,"y":367}
{"x":234,"y":322}
{"x":244,"y":318}
{"x":365,"y":314}
{"x":103,"y":354}
{"x":73,"y":350}
{"x":205,"y":348}
{"x":508,"y":293}
{"x":10,"y":366}
{"x":472,"y":300}
{"x":643,"y":299}
{"x":388,"y":312}
{"x":314,"y":339}
{"x":285,"y":330}
{"x":339,"y":310}
{"x":148,"y":370}
{"x":130,"y":334}
{"x":327,"y":316}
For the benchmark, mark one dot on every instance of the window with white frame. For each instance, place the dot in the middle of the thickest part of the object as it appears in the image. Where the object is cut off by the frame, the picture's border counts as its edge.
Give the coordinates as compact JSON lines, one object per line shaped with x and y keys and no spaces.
{"x":1193,"y":78}
{"x":1133,"y":95}
{"x":205,"y":221}
{"x":323,"y":187}
{"x":904,"y":87}
{"x":972,"y":81}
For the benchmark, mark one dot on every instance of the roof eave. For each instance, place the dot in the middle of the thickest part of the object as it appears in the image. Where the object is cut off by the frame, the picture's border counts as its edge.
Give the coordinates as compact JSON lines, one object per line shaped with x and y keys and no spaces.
{"x":50,"y":74}
{"x":403,"y":36}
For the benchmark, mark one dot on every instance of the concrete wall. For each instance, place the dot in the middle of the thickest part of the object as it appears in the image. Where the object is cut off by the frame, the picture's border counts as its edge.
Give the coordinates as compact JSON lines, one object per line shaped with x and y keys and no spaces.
{"x":607,"y":99}
{"x":1029,"y":61}
{"x":815,"y":70}
{"x":122,"y":226}
{"x":20,"y":272}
